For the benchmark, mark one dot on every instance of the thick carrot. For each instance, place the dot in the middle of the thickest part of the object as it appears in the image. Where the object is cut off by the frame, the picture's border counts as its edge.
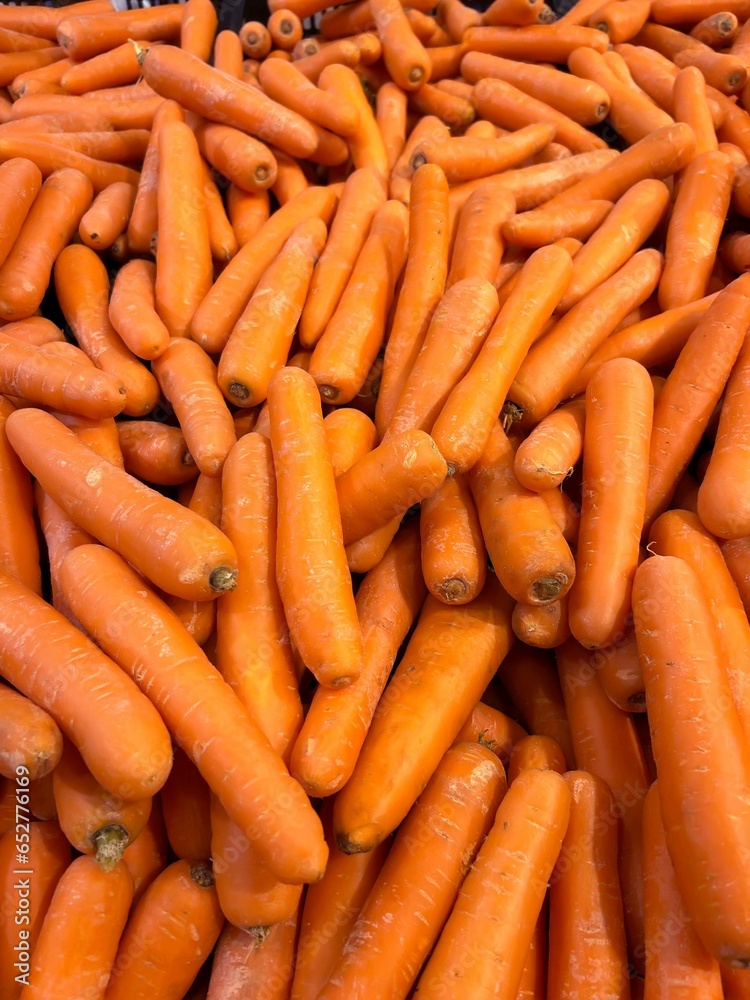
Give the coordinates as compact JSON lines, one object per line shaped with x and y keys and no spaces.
{"x":247,"y":211}
{"x":691,"y":106}
{"x":146,"y":857}
{"x":114,"y":68}
{"x":143,"y":219}
{"x":198,"y":28}
{"x":253,"y":653}
{"x":465,"y":423}
{"x":540,"y":753}
{"x":228,"y":54}
{"x":390,"y":115}
{"x":404,"y":55}
{"x":108,"y":216}
{"x":82,"y":286}
{"x":440,"y":825}
{"x":57,"y":964}
{"x":606,"y":744}
{"x":484,"y":943}
{"x":692,"y":390}
{"x":223,"y":305}
{"x":303,"y":469}
{"x":402,"y":171}
{"x":132,"y":310}
{"x":336,"y":725}
{"x":218,"y":97}
{"x":352,"y":339}
{"x":30,"y":742}
{"x":243,"y":958}
{"x":365,"y":141}
{"x":156,"y":453}
{"x":19,"y":547}
{"x":285,"y":29}
{"x":46,"y":853}
{"x":255,"y":39}
{"x":551,"y":451}
{"x":186,"y":807}
{"x":343,"y":52}
{"x":544,"y":626}
{"x":527,"y":549}
{"x":478,"y":245}
{"x":466,"y":158}
{"x":23,"y":179}
{"x":619,"y":413}
{"x":534,"y":43}
{"x":549,"y":373}
{"x":88,"y":35}
{"x":582,"y":101}
{"x":453,"y":554}
{"x":243,"y":160}
{"x":417,"y":720}
{"x":179,"y":914}
{"x":587,"y":935}
{"x":710,"y":878}
{"x":455,"y":335}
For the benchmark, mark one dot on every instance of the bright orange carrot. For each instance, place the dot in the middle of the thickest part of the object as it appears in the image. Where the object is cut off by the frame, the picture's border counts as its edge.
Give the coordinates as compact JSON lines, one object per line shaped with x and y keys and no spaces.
{"x":23,"y":179}
{"x":146,"y":857}
{"x":243,"y":958}
{"x":544,"y":626}
{"x":87,"y":35}
{"x":417,"y":720}
{"x":143,"y":219}
{"x":390,"y":114}
{"x":186,"y":807}
{"x":156,"y":453}
{"x":30,"y":743}
{"x":19,"y":547}
{"x":108,"y":216}
{"x":466,"y":158}
{"x":228,"y":53}
{"x":132,"y":310}
{"x":540,"y":753}
{"x":198,"y":28}
{"x":550,"y":452}
{"x":453,"y":554}
{"x":478,"y":243}
{"x":404,"y":55}
{"x":365,"y":141}
{"x":255,"y":39}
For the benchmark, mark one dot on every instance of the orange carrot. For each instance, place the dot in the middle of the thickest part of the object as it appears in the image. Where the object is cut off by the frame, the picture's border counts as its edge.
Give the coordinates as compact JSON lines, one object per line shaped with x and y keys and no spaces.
{"x":390,"y":114}
{"x":146,"y":857}
{"x":478,"y":243}
{"x":550,"y":452}
{"x":143,"y":219}
{"x":456,"y":17}
{"x":115,"y":68}
{"x":534,"y":43}
{"x":24,"y":180}
{"x":365,"y":141}
{"x":156,"y":453}
{"x":19,"y":547}
{"x":417,"y":719}
{"x":453,"y":554}
{"x":87,"y":35}
{"x":544,"y":626}
{"x":343,"y":52}
{"x":404,"y":55}
{"x":255,"y":39}
{"x":186,"y":807}
{"x":492,"y":729}
{"x":247,"y":211}
{"x":198,"y":28}
{"x":108,"y":216}
{"x":540,"y":753}
{"x":286,"y":84}
{"x":132,"y":310}
{"x":228,"y":53}
{"x":467,"y":158}
{"x":285,"y":29}
{"x":243,"y":958}
{"x":31,"y":743}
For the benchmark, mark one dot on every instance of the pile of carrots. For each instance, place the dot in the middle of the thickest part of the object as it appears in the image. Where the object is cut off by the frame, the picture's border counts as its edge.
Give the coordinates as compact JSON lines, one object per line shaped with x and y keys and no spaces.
{"x":374,"y":518}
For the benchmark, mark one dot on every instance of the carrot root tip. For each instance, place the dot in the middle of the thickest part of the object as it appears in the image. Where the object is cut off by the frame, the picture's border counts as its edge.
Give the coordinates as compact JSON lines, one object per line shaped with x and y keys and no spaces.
{"x":202,"y":874}
{"x":109,"y":845}
{"x":548,"y":588}
{"x":239,"y":391}
{"x":510,"y":414}
{"x":223,"y":578}
{"x":452,"y":590}
{"x":140,"y":51}
{"x":734,"y":80}
{"x":328,"y":392}
{"x":418,"y":160}
{"x":416,"y":74}
{"x":602,"y":26}
{"x":187,"y":459}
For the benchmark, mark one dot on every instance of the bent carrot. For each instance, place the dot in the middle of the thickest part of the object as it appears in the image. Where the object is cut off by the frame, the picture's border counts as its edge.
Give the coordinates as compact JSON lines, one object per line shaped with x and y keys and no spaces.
{"x":549,"y":454}
{"x":30,"y":743}
{"x":365,"y":141}
{"x":132,"y":310}
{"x":478,"y":245}
{"x":467,"y":158}
{"x":417,"y":719}
{"x":23,"y":179}
{"x":506,"y":886}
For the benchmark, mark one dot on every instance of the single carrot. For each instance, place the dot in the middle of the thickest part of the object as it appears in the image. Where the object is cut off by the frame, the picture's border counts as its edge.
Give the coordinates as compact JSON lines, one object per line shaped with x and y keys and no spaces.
{"x":43,"y":21}
{"x":534,"y":43}
{"x":544,"y":626}
{"x":146,"y":857}
{"x":247,"y":211}
{"x":417,"y":720}
{"x":619,"y":414}
{"x":198,"y":28}
{"x":108,"y":216}
{"x":506,"y":885}
{"x":259,"y":343}
{"x":352,"y":339}
{"x":57,"y":964}
{"x":692,"y":390}
{"x":228,"y":53}
{"x":623,"y":25}
{"x":404,"y":55}
{"x":223,"y":305}
{"x":478,"y":244}
{"x":350,"y":434}
{"x":303,"y":468}
{"x":344,"y":51}
{"x":456,"y":17}
{"x":46,"y":854}
{"x":255,"y":39}
{"x":439,"y":830}
{"x":179,"y":913}
{"x":390,"y":115}
{"x":285,"y":29}
{"x":527,"y":549}
{"x":506,"y":12}
{"x":156,"y":453}
{"x":365,"y":141}
{"x":20,"y":41}
{"x":492,"y":729}
{"x":284,"y":83}
{"x":132,"y":310}
{"x":186,"y":808}
{"x":115,"y":68}
{"x":12,"y":64}
{"x":87,"y":35}
{"x":549,"y":372}
{"x":606,"y":744}
{"x":82,"y":287}
{"x":540,"y":753}
{"x":242,"y":958}
{"x":552,"y":449}
{"x":465,"y":423}
{"x":712,"y":896}
{"x":23,"y":179}
{"x":19,"y":547}
{"x":30,"y":742}
{"x":466,"y":158}
{"x":143,"y":221}
{"x":86,"y":114}
{"x":583,"y":101}
{"x":253,"y":653}
{"x":691,"y":106}
{"x":453,"y":554}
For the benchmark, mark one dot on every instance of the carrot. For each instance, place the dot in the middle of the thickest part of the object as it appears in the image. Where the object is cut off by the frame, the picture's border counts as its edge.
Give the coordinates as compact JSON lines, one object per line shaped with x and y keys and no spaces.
{"x":456,"y":17}
{"x":456,"y":332}
{"x":619,"y":413}
{"x":718,"y":30}
{"x":350,"y":434}
{"x":179,"y":913}
{"x":20,"y":41}
{"x":198,"y":28}
{"x":143,"y":219}
{"x":12,"y":64}
{"x":656,"y":74}
{"x":243,"y":958}
{"x":228,"y":54}
{"x":223,"y":305}
{"x":676,"y":733}
{"x":50,"y":157}
{"x":550,"y":371}
{"x":692,"y":390}
{"x":606,"y":744}
{"x":221,"y":239}
{"x":56,"y":962}
{"x":544,"y":626}
{"x":303,"y":468}
{"x":147,"y":855}
{"x":43,"y":21}
{"x":19,"y":548}
{"x":390,"y":115}
{"x":583,"y":101}
{"x":431,"y":827}
{"x":186,"y":807}
{"x":95,"y":821}
{"x":60,"y":536}
{"x":100,"y":435}
{"x":734,"y":251}
{"x":30,"y":742}
{"x":249,"y":895}
{"x":125,"y":146}
{"x":115,"y":68}
{"x":259,"y":343}
{"x":44,"y":80}
{"x":453,"y":553}
{"x":492,"y":729}
{"x":620,"y":25}
{"x":679,"y":533}
{"x":478,"y":244}
{"x":365,"y":141}
{"x":350,"y":343}
{"x":534,"y":43}
{"x":404,"y":55}
{"x":506,"y":12}
{"x":506,"y":884}
{"x":344,"y":51}
{"x":35,"y":330}
{"x":691,"y":106}
{"x":418,"y":721}
{"x":108,"y":216}
{"x":253,"y":653}
{"x":402,"y":171}
{"x":156,"y":453}
{"x":465,"y":423}
{"x":552,"y":449}
{"x":247,"y":211}
{"x":220,"y":98}
{"x":286,"y":84}
{"x":23,"y":179}
{"x":132,"y":310}
{"x":466,"y":158}
{"x":243,"y":160}
{"x":539,"y":753}
{"x":514,"y":521}
{"x":47,"y":855}
{"x":90,"y":34}
{"x":255,"y":39}
{"x":82,"y":286}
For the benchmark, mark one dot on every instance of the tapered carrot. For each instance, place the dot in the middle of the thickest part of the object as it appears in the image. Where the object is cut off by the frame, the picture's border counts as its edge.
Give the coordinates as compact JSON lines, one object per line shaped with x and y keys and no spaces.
{"x":143,"y":221}
{"x":478,"y":245}
{"x":456,"y":17}
{"x":87,"y":113}
{"x":606,"y":744}
{"x":56,"y":964}
{"x":534,"y":43}
{"x":365,"y":141}
{"x":108,"y":216}
{"x":85,"y":36}
{"x":115,"y":68}
{"x":350,"y":343}
{"x":466,"y":158}
{"x":23,"y":179}
{"x":242,"y":958}
{"x":390,"y":114}
{"x":223,"y":305}
{"x":179,"y":913}
{"x":252,"y":649}
{"x":228,"y":54}
{"x":404,"y":55}
{"x":186,"y":807}
{"x":156,"y":453}
{"x":47,"y":855}
{"x":82,"y":286}
{"x":692,"y":390}
{"x":550,"y":452}
{"x":713,"y":897}
{"x":198,"y":28}
{"x":544,"y":626}
{"x":507,"y":884}
{"x":419,"y":720}
{"x":582,"y":101}
{"x":432,"y":825}
{"x":453,"y":554}
{"x":619,"y":413}
{"x":303,"y":468}
{"x":464,"y":425}
{"x":725,"y":72}
{"x":344,"y":51}
{"x":30,"y":742}
{"x":132,"y":310}
{"x":19,"y":547}
{"x":549,"y":373}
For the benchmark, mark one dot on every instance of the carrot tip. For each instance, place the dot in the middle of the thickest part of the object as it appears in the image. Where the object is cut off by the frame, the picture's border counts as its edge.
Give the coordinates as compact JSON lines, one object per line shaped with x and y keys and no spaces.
{"x":511,"y":413}
{"x":416,"y":74}
{"x":453,"y":589}
{"x":202,"y":874}
{"x":187,"y":459}
{"x":109,"y":845}
{"x":328,"y":392}
{"x":548,"y":588}
{"x":223,"y":578}
{"x":239,"y":391}
{"x":259,"y":933}
{"x":418,"y":160}
{"x":140,"y":51}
